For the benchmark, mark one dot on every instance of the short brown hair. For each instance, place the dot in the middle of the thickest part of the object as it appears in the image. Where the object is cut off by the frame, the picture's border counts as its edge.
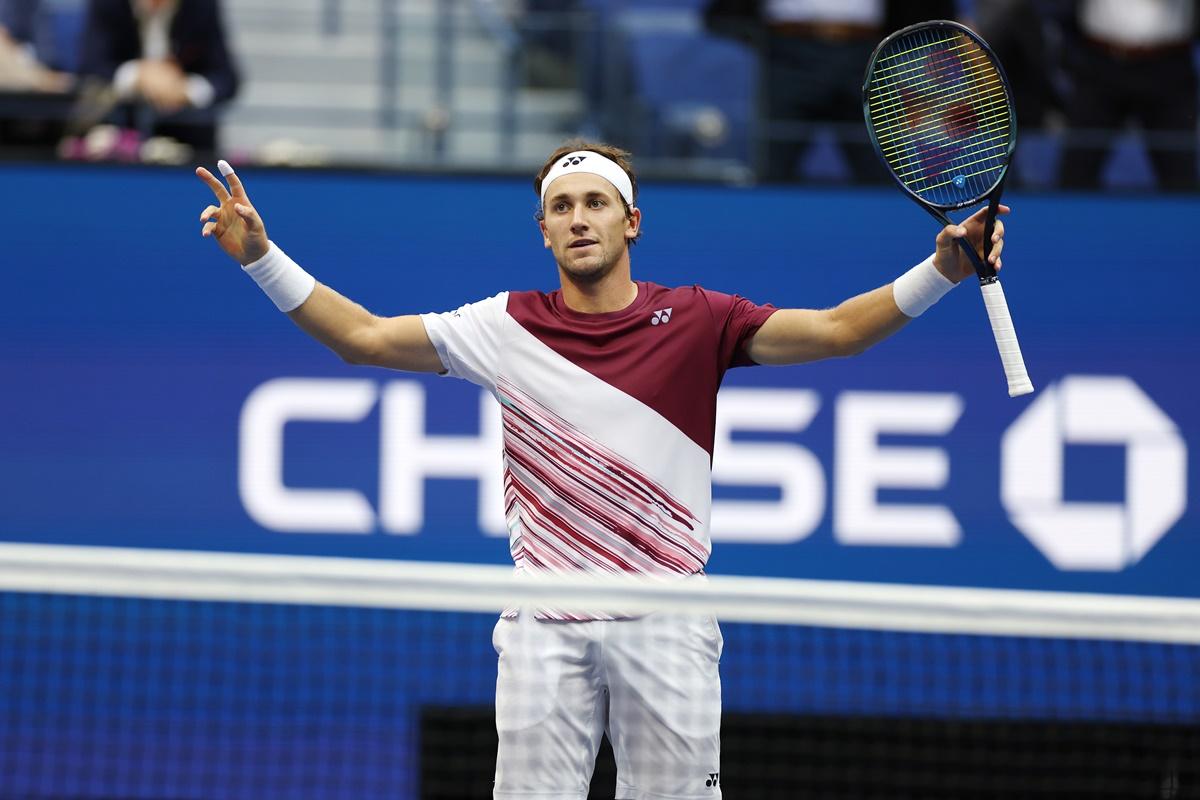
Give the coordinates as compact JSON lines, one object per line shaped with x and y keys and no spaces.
{"x":623,"y":159}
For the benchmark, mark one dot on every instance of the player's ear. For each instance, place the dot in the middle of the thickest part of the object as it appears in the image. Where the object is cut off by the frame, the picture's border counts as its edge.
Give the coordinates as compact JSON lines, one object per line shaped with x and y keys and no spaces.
{"x":633,"y":223}
{"x":541,"y":221}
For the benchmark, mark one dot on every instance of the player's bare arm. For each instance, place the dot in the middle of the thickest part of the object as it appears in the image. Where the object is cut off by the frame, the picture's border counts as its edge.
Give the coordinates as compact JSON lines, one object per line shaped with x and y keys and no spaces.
{"x":360,"y":337}
{"x":355,"y":334}
{"x":797,"y":335}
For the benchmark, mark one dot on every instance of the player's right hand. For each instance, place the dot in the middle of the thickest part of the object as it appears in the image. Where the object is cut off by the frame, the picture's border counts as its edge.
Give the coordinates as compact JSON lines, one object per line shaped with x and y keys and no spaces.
{"x":235,"y":224}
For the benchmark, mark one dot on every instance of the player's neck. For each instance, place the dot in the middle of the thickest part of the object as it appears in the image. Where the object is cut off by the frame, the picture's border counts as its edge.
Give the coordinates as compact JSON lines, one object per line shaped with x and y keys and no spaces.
{"x":612,"y":292}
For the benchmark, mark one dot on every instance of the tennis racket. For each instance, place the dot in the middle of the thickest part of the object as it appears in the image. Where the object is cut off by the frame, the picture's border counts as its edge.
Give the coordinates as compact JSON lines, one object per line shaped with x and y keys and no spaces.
{"x":940,"y":114}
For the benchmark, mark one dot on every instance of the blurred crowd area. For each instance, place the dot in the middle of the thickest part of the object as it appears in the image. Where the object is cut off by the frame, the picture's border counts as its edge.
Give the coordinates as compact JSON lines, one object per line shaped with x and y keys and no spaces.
{"x":732,"y":90}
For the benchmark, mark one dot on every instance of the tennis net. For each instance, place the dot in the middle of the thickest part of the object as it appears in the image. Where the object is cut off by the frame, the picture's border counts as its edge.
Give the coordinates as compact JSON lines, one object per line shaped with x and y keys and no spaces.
{"x":167,"y":674}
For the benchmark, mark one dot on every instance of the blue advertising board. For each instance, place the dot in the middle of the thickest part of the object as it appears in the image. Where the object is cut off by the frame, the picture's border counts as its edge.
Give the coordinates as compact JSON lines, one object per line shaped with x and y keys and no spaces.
{"x":153,"y":397}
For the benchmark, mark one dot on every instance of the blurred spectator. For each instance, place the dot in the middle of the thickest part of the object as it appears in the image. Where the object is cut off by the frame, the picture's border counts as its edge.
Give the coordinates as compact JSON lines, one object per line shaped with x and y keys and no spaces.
{"x":29,"y":57}
{"x":575,"y":45}
{"x":1132,"y":60}
{"x":543,"y":35}
{"x":1027,"y":38}
{"x":549,"y":41}
{"x":165,"y":57}
{"x":814,"y":53}
{"x":35,"y":56}
{"x":1021,"y":34}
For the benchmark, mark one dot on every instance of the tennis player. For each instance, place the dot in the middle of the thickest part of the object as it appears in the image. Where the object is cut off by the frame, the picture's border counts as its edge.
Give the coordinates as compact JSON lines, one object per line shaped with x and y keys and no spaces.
{"x":607,"y":387}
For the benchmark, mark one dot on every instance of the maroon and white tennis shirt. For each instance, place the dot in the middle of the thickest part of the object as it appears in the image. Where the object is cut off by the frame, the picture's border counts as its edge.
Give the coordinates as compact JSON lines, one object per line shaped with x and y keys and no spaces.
{"x":608,"y":420}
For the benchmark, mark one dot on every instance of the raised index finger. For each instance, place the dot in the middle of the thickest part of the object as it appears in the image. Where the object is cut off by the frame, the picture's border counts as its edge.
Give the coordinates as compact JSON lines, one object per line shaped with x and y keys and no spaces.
{"x":217,"y":187}
{"x":235,"y":183}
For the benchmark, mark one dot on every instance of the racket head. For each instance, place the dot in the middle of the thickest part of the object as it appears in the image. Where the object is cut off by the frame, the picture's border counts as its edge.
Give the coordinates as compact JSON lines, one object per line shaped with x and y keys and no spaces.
{"x":940,"y":113}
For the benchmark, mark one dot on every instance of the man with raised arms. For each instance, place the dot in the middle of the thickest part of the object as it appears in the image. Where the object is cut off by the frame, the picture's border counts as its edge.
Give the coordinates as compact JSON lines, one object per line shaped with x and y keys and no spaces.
{"x":607,"y":389}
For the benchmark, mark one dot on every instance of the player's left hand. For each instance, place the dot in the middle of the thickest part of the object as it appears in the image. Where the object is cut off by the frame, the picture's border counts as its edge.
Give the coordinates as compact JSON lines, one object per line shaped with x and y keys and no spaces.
{"x":949,"y":258}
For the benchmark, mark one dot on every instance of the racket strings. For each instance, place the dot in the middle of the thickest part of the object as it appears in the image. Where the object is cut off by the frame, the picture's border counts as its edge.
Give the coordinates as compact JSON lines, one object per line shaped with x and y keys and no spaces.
{"x":957,"y":112}
{"x":947,"y":161}
{"x":995,"y":114}
{"x":906,"y":164}
{"x":989,"y":169}
{"x":917,"y":166}
{"x":990,"y":128}
{"x":952,"y":113}
{"x":974,"y":81}
{"x":939,"y":105}
{"x":923,"y":46}
{"x":896,"y":109}
{"x":911,"y":67}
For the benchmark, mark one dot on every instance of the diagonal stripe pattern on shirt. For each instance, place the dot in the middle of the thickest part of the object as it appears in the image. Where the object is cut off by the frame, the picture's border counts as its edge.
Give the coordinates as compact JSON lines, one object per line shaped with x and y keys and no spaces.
{"x":574,"y":505}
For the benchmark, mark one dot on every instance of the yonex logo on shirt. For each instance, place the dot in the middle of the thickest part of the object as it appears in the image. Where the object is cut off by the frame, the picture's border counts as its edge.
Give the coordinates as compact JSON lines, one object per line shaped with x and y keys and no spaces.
{"x":713,"y":779}
{"x":662,"y":316}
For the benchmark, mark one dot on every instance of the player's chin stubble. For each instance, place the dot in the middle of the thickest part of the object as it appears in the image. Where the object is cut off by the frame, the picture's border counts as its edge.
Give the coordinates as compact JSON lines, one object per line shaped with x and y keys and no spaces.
{"x":590,"y":269}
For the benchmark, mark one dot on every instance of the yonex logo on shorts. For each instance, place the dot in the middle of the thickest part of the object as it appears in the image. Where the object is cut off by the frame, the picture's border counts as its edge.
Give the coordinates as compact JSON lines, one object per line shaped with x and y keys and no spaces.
{"x":714,"y":779}
{"x":662,"y":316}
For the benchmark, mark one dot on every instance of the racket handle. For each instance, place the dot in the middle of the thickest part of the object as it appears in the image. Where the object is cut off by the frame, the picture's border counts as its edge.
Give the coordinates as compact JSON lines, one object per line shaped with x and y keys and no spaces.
{"x":1006,"y":339}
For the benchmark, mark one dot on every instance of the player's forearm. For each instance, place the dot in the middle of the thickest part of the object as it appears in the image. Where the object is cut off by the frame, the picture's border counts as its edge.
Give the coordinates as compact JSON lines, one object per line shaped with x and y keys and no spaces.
{"x":340,"y":324}
{"x":336,"y":322}
{"x":869,"y":318}
{"x":866,"y":320}
{"x":800,"y":335}
{"x":345,"y":327}
{"x":797,"y":335}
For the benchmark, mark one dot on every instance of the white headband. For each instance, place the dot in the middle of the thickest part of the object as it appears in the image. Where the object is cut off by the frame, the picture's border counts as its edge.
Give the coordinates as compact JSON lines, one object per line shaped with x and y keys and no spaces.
{"x":588,"y":161}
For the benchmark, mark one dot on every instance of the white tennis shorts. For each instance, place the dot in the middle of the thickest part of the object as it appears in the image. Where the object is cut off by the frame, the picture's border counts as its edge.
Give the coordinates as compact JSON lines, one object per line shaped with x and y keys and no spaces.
{"x":651,"y":683}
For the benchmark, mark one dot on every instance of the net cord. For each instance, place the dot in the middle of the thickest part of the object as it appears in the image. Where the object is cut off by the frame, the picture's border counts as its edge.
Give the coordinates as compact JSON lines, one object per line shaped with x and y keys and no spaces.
{"x":370,"y":583}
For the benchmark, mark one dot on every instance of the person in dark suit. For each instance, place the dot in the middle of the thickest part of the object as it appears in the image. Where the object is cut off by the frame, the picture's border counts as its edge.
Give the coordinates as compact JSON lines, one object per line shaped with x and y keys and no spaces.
{"x":169,"y":56}
{"x":813,"y":55}
{"x":1132,"y":61}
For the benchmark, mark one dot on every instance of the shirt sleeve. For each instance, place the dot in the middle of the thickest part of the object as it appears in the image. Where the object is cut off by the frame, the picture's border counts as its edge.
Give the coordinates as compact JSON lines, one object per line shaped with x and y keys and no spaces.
{"x":468,"y":339}
{"x":736,"y":320}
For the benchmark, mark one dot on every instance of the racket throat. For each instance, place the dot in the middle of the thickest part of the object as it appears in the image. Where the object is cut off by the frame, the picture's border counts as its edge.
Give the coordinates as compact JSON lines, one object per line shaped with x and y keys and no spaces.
{"x":983,"y":269}
{"x":989,"y":224}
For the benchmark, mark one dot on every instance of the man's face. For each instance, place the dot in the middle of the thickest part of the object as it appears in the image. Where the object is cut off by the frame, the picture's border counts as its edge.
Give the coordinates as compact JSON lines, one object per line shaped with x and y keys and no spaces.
{"x":585,"y":225}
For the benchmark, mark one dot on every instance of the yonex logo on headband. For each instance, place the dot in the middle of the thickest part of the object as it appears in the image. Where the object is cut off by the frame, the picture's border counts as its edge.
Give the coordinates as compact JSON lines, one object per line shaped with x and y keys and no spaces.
{"x":596,"y":164}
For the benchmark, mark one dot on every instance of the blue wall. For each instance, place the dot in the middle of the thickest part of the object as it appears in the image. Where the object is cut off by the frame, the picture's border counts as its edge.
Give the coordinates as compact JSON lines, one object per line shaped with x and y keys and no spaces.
{"x":129,"y":346}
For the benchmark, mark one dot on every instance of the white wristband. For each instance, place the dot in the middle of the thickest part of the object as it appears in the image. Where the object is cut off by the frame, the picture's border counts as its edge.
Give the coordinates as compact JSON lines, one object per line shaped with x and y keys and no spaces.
{"x":284,"y":281}
{"x":919,"y":288}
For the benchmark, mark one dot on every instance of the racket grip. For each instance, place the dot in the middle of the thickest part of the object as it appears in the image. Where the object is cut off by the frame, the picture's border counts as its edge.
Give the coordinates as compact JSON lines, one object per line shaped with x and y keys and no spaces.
{"x":1006,"y":339}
